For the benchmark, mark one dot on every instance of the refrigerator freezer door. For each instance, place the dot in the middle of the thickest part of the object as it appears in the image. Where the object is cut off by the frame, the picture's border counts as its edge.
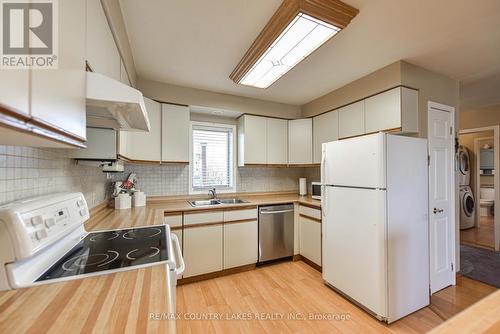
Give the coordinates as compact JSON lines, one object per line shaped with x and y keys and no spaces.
{"x":354,"y":258}
{"x":355,"y":162}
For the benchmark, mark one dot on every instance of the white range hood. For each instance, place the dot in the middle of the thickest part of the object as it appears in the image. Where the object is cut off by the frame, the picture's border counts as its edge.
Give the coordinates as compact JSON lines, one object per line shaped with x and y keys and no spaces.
{"x":112,"y":104}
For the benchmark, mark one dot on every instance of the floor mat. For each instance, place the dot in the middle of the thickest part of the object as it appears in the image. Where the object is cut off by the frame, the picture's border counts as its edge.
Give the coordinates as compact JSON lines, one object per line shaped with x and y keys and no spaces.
{"x":480,"y":264}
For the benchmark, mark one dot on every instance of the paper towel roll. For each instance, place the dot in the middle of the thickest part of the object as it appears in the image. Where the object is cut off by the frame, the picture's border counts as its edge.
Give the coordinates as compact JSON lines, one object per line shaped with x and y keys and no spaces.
{"x":302,"y":186}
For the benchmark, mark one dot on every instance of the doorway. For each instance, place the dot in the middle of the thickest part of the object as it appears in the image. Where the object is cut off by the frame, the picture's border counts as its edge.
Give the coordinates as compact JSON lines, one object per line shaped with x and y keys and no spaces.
{"x":477,"y":159}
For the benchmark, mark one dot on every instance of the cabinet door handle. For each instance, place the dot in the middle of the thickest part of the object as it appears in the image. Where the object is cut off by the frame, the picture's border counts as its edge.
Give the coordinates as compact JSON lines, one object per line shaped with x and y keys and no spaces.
{"x":436,"y":210}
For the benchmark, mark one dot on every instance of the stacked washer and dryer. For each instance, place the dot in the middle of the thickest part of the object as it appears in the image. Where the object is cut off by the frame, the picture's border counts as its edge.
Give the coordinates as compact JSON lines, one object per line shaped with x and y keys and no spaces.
{"x":467,"y":202}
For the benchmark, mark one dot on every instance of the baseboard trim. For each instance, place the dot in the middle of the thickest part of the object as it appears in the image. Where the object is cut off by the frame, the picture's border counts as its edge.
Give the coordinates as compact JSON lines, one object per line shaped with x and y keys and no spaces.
{"x":224,"y":272}
{"x":304,"y":259}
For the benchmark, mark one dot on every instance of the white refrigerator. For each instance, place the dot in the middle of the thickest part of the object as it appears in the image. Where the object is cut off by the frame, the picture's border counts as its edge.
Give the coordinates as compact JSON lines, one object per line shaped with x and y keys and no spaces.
{"x":375,"y":222}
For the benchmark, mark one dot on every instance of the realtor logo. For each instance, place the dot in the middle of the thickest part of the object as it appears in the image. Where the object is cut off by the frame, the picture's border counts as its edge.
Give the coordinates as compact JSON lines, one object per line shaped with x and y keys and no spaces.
{"x":29,"y":34}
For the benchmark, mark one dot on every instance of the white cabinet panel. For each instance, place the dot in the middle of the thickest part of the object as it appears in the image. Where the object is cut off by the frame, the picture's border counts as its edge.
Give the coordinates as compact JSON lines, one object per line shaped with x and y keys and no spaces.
{"x":393,"y":109}
{"x":144,"y":145}
{"x":409,"y":110}
{"x":325,"y":129}
{"x":314,"y":213}
{"x":252,"y":140}
{"x":240,"y":244}
{"x":14,"y":90}
{"x":58,"y":95}
{"x":102,"y":53}
{"x":383,"y":111}
{"x":173,"y":220}
{"x":277,"y":141}
{"x":232,"y":215}
{"x":175,"y":133}
{"x":310,"y":239}
{"x":203,"y":249}
{"x":300,"y":141}
{"x":352,"y":120}
{"x":203,"y":217}
{"x":101,"y":144}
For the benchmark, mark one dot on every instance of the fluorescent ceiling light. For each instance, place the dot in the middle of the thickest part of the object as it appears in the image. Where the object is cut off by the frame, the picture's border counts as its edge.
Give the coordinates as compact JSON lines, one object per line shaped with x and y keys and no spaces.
{"x":299,"y":39}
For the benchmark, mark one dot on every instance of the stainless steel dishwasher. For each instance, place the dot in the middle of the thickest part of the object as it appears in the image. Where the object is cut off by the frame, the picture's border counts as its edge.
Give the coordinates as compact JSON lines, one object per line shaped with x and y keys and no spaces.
{"x":275,"y":232}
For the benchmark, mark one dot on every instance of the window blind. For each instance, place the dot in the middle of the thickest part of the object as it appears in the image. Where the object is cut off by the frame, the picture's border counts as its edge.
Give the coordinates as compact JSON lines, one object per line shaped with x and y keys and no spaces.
{"x":212,"y":157}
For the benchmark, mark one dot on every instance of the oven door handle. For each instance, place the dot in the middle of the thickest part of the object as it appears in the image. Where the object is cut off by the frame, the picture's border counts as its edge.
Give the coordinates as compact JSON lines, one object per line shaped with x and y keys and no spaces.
{"x":179,"y":270}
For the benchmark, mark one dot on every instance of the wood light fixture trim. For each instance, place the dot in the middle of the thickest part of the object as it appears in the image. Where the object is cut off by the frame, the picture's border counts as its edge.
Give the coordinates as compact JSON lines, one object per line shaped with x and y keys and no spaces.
{"x":333,"y":12}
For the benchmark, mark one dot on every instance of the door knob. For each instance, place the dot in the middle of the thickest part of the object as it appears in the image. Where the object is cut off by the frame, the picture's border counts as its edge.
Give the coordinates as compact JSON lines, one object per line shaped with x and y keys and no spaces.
{"x":437,"y":210}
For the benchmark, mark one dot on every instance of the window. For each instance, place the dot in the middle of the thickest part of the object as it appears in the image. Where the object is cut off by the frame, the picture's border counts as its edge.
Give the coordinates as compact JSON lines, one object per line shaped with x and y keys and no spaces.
{"x":212,"y":158}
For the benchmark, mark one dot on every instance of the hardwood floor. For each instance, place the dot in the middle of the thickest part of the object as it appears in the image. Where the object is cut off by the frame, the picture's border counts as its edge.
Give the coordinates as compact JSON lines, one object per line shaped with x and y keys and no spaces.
{"x":289,"y":288}
{"x":483,"y":236}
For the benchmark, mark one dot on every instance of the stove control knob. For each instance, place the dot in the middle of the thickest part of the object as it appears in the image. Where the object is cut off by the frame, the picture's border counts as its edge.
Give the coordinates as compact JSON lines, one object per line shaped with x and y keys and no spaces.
{"x":83,"y":212}
{"x":50,"y":222}
{"x":36,"y":220}
{"x":40,"y":234}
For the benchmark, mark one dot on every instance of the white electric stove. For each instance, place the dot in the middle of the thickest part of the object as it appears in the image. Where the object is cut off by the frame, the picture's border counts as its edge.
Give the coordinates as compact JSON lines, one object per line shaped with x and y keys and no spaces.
{"x":43,"y":240}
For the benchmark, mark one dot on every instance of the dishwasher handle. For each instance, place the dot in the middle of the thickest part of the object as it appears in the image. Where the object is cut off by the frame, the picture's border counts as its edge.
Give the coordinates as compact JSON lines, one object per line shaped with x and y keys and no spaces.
{"x":277,"y":211}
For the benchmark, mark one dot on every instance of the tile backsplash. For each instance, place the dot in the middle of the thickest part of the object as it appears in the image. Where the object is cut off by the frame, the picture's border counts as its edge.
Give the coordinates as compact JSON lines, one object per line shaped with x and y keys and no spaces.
{"x":171,"y":180}
{"x":26,"y":172}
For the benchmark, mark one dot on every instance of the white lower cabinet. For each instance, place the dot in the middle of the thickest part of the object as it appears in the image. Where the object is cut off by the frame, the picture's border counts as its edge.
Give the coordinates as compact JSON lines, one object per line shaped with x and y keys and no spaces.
{"x":310,"y":234}
{"x":203,"y":247}
{"x":240,"y":243}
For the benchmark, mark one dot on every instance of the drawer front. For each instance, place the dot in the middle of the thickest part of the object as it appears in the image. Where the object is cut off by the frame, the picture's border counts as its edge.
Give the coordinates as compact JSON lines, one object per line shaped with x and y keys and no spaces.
{"x":203,"y":217}
{"x":173,"y":220}
{"x":233,"y":215}
{"x":310,"y":212}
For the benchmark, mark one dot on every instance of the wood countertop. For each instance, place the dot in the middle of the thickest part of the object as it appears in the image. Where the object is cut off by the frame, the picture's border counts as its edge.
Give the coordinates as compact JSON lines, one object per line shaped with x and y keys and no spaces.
{"x":153,"y":213}
{"x":120,"y":302}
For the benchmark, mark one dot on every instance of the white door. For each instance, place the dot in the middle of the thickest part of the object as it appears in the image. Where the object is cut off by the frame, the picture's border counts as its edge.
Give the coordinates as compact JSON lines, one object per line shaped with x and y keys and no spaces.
{"x":441,"y":196}
{"x":355,"y":162}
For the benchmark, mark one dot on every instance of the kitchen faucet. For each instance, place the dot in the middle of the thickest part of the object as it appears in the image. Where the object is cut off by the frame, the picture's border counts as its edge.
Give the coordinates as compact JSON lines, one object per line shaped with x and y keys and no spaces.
{"x":212,"y":192}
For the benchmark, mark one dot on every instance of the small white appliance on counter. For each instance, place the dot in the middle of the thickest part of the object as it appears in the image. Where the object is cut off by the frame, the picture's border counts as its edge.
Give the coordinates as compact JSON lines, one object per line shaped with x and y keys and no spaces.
{"x":43,"y":240}
{"x":302,"y":186}
{"x":375,"y":222}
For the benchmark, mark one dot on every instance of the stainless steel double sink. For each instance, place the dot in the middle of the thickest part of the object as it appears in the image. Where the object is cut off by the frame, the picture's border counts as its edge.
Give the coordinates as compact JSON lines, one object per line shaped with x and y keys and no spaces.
{"x":210,"y":202}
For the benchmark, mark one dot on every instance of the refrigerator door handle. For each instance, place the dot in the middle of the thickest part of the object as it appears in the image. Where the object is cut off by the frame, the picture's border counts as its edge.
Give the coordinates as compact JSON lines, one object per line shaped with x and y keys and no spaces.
{"x":323,"y":187}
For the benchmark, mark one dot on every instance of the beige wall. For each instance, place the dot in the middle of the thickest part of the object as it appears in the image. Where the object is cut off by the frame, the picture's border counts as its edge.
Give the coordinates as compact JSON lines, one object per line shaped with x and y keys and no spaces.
{"x":382,"y":79}
{"x":432,"y":87}
{"x":198,"y":97}
{"x":476,"y":118}
{"x":115,"y":19}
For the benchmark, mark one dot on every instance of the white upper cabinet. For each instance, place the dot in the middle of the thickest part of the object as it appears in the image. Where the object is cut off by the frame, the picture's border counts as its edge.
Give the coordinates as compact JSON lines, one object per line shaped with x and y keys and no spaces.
{"x":58,"y":95}
{"x":352,"y":120}
{"x":14,"y":90}
{"x":144,"y":146}
{"x":396,"y":109}
{"x":102,"y":54}
{"x":277,"y":141}
{"x":252,"y":140}
{"x":325,"y":129}
{"x":300,"y":141}
{"x":175,"y":133}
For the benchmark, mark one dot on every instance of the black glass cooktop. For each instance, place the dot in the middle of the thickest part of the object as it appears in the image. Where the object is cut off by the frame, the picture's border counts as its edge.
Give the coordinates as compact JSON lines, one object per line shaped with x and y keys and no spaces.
{"x":102,"y":251}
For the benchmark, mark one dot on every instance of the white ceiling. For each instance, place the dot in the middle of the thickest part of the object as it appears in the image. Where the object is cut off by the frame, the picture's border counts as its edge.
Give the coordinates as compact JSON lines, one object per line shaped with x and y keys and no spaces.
{"x":198,"y":43}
